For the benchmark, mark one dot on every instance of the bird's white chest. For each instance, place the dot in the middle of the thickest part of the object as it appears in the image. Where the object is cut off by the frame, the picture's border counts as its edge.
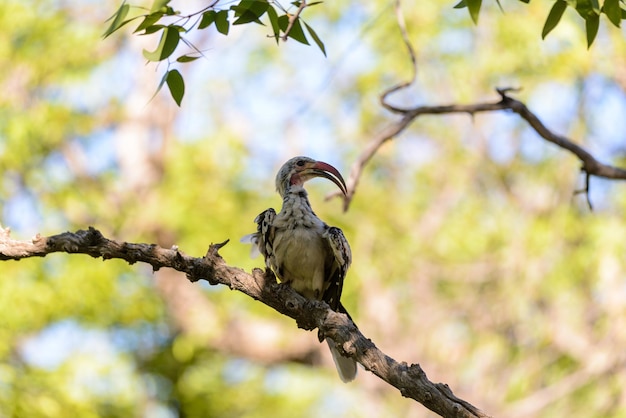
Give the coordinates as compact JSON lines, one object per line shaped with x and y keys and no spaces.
{"x":301,"y":254}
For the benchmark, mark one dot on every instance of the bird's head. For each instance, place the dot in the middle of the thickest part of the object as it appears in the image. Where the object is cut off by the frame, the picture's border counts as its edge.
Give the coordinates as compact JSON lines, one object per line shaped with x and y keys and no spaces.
{"x":298,"y":170}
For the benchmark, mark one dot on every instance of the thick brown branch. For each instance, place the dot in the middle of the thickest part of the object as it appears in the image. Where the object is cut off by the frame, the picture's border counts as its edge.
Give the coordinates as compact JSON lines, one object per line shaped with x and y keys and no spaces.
{"x":411,"y":380}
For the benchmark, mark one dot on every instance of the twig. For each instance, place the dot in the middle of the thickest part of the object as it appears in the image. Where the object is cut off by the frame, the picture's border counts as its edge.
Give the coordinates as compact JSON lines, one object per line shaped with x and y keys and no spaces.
{"x":585,"y":190}
{"x":368,"y":152}
{"x":410,"y":50}
{"x":292,"y":20}
{"x":391,"y":131}
{"x":411,"y":380}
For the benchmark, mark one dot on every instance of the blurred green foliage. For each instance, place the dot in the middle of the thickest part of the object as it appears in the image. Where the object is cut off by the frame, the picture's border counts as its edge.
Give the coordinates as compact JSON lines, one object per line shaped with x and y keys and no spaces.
{"x":471,"y":255}
{"x":175,"y":26}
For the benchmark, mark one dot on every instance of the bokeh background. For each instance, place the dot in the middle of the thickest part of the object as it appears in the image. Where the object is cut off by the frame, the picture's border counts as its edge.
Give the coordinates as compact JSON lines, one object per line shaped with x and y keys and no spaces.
{"x":472,"y":255}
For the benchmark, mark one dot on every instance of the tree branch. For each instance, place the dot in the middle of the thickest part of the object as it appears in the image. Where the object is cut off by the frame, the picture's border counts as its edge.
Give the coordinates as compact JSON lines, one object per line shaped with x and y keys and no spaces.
{"x":590,"y":165}
{"x":411,"y":380}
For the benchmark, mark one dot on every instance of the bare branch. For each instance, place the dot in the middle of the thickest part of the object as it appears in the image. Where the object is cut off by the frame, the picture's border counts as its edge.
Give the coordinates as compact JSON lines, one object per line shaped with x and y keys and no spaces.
{"x":368,"y":152}
{"x":411,"y":380}
{"x":392,"y":130}
{"x":590,"y":165}
{"x":410,"y":50}
{"x":585,"y":191}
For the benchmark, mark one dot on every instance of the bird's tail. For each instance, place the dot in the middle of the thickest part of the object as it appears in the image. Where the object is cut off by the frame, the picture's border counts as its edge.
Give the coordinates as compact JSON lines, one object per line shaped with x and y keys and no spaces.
{"x":346,"y":367}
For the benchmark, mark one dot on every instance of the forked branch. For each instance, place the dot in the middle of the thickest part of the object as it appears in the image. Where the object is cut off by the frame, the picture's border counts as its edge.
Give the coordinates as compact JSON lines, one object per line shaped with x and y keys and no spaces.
{"x":589,"y":164}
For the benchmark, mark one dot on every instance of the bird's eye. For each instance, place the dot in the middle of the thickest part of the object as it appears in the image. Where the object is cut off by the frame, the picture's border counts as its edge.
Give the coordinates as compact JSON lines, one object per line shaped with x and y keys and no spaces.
{"x":300,"y":163}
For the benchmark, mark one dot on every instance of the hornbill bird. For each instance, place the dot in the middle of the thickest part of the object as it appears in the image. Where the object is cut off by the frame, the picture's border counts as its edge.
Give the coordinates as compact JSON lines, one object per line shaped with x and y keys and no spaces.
{"x":301,"y":249}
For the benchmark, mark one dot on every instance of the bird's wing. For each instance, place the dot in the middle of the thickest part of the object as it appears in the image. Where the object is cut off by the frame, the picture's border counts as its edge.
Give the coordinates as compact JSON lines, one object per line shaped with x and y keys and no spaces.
{"x":262,"y":239}
{"x":343,"y":257}
{"x":252,"y":239}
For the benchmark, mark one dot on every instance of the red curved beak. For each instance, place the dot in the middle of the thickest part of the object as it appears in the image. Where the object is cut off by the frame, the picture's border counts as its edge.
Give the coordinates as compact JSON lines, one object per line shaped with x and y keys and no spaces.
{"x":322,"y":169}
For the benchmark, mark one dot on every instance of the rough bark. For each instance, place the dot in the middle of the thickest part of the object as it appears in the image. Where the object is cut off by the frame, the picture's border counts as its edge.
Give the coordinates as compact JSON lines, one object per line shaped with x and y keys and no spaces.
{"x":410,"y":380}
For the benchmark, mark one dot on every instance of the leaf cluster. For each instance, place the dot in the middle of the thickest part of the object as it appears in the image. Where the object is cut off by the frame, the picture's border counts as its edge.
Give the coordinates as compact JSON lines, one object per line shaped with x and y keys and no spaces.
{"x":589,"y":10}
{"x":173,"y":26}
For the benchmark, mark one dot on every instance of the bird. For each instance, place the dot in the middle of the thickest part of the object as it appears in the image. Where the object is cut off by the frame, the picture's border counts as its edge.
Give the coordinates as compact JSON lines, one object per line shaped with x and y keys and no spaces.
{"x":301,"y":249}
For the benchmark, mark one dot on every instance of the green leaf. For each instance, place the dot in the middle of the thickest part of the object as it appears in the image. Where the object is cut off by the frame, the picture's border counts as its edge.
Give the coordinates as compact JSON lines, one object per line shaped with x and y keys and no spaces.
{"x":116,"y":12}
{"x":271,"y":13}
{"x":553,"y":17}
{"x":591,"y":25}
{"x":167,"y":45}
{"x":208,"y":18}
{"x":296,"y":31}
{"x":460,"y":5}
{"x":160,"y":85}
{"x":474,"y":9}
{"x":176,"y":85}
{"x":249,"y":11}
{"x":585,"y":8}
{"x":169,"y":11}
{"x":118,"y":19}
{"x":316,"y":38}
{"x":179,"y":28}
{"x":221,"y":22}
{"x":612,"y":10}
{"x":595,"y":6}
{"x":186,"y":58}
{"x":158,"y":5}
{"x":525,"y":1}
{"x":148,"y":21}
{"x":152,"y":29}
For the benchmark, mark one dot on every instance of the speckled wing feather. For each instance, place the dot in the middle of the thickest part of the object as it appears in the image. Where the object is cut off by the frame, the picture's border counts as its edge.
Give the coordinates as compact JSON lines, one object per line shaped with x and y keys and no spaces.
{"x":346,"y":367}
{"x":343,"y":258}
{"x":262,"y":239}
